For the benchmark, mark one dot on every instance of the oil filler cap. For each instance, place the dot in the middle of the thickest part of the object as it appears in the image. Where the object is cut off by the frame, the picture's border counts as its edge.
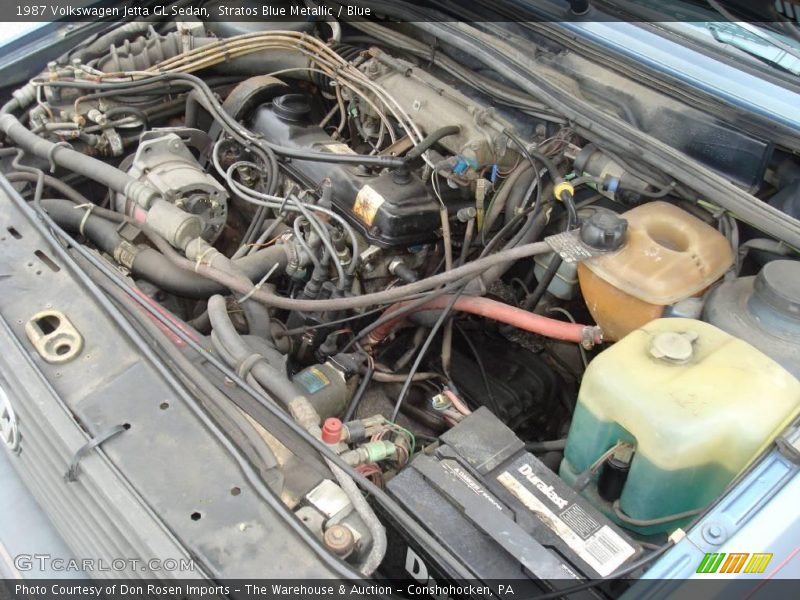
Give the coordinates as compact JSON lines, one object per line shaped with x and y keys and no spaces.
{"x":673,"y":346}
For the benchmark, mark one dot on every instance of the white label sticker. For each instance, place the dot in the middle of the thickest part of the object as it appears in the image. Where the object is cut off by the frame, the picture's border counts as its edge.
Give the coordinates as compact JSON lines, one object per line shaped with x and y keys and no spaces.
{"x":367,"y":204}
{"x":338,"y":148}
{"x":604,"y":551}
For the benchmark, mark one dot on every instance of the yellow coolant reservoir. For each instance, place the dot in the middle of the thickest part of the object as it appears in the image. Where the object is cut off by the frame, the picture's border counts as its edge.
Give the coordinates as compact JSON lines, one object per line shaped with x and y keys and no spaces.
{"x":696,"y":404}
{"x":670,"y":255}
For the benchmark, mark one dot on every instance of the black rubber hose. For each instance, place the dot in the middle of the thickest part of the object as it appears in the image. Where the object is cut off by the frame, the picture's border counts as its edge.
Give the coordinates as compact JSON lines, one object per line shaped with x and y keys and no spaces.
{"x":519,"y":193}
{"x":547,"y":446}
{"x":430,"y":139}
{"x":401,"y":396}
{"x":665,"y":191}
{"x":258,"y":320}
{"x":531,"y":231}
{"x":273,"y":380}
{"x":531,"y":154}
{"x":532,"y":301}
{"x":355,"y":401}
{"x":153,"y":266}
{"x":54,"y":184}
{"x":388,"y":162}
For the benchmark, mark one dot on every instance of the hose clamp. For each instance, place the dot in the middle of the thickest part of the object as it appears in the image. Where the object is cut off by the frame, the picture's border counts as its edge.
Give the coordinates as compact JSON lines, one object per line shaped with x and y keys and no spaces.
{"x":201,"y":258}
{"x":259,"y":285}
{"x":591,"y":336}
{"x":247,"y":363}
{"x":89,"y":207}
{"x":125,"y":253}
{"x":52,"y":150}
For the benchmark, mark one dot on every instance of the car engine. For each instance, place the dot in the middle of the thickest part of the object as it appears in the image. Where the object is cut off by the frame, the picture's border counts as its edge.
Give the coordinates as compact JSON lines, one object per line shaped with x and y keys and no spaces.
{"x":471,"y":303}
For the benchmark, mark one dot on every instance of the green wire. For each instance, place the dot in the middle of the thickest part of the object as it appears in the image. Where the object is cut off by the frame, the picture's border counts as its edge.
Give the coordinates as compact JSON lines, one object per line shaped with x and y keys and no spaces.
{"x":408,"y":434}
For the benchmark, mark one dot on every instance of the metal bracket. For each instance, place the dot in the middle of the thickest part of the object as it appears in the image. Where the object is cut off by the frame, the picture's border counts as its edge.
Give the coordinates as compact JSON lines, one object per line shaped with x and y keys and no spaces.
{"x":569,"y":246}
{"x":54,"y":336}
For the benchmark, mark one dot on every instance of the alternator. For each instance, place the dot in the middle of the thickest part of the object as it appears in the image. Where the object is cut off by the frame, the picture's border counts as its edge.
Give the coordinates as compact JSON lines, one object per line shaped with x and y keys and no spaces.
{"x":164,"y":161}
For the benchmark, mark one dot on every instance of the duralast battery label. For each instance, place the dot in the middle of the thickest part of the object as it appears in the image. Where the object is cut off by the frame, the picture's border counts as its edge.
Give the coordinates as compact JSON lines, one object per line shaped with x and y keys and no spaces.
{"x":597,"y":544}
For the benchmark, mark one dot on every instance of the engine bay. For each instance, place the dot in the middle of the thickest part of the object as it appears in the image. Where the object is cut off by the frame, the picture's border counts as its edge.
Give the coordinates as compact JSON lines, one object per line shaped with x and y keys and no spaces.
{"x":473,"y":303}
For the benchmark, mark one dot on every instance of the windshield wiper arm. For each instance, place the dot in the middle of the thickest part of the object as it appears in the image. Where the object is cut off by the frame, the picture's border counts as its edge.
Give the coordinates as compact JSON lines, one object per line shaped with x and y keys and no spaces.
{"x":778,"y":47}
{"x":768,"y":52}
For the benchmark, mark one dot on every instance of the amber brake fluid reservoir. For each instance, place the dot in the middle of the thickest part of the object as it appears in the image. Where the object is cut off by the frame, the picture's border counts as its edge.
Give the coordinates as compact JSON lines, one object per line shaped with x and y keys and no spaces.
{"x":669,"y":255}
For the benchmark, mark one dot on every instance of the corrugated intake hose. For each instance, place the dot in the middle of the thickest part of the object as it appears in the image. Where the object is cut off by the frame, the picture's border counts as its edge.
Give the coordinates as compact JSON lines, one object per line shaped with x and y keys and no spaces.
{"x":144,"y":53}
{"x":153,"y":266}
{"x":115,"y":36}
{"x":504,"y":313}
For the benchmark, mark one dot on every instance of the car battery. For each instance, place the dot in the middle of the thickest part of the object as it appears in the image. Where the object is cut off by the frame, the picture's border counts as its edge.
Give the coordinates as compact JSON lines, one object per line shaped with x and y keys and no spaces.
{"x":504,"y":513}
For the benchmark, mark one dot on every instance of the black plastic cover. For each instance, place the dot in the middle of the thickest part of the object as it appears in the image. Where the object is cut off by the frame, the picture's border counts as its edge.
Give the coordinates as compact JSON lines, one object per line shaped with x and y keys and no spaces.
{"x":388,"y":211}
{"x":729,"y":151}
{"x":788,"y":199}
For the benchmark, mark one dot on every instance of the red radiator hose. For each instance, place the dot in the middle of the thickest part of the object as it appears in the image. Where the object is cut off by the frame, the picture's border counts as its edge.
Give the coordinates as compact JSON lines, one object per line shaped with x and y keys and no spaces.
{"x":587,"y":335}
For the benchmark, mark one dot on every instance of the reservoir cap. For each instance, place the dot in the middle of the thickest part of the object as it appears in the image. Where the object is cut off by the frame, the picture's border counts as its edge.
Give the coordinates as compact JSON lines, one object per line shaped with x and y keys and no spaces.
{"x":673,"y":346}
{"x":604,"y":230}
